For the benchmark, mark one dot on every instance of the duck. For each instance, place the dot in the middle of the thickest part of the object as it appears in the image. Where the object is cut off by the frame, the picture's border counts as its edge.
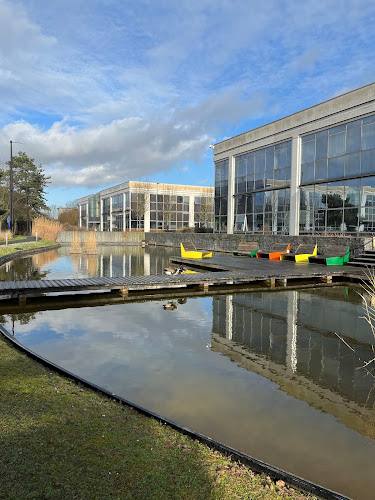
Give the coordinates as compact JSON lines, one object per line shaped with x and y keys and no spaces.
{"x":173,"y":271}
{"x":170,"y":306}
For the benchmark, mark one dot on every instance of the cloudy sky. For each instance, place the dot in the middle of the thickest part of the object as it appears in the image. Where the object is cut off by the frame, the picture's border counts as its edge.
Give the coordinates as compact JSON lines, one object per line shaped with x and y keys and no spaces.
{"x":104,"y":91}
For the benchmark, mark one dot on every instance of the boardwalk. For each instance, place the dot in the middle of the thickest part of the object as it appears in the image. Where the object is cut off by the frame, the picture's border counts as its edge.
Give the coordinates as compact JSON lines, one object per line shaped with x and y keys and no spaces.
{"x":223,"y":270}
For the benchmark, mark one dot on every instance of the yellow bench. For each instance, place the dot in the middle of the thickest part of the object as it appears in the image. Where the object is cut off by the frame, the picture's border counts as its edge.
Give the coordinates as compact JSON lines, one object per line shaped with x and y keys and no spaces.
{"x":302,"y":253}
{"x":188,"y":251}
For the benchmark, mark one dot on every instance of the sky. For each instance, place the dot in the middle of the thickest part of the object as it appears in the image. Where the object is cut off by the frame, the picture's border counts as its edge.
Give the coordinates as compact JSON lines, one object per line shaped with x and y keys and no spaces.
{"x":102,"y":92}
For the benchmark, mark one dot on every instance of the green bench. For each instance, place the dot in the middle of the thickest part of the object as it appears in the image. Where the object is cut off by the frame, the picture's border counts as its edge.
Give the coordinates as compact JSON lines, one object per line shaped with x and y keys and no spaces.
{"x":335,"y":255}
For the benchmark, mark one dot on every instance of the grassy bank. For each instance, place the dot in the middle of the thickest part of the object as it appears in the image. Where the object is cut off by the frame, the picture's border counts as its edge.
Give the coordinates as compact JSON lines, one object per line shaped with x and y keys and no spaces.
{"x":30,"y":245}
{"x":62,"y":441}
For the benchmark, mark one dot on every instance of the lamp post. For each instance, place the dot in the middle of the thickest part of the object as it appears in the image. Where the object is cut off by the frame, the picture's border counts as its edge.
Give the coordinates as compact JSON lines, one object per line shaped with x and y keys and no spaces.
{"x":157,"y":201}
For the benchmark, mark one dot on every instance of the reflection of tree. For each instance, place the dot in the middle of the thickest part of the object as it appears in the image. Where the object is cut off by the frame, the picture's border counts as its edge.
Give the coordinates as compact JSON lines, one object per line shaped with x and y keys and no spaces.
{"x":21,"y":270}
{"x":334,"y":217}
{"x":21,"y":318}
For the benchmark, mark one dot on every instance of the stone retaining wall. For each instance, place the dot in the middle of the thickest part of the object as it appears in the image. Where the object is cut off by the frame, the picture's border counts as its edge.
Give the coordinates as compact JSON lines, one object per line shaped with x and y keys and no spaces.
{"x":229,"y":242}
{"x":103,"y":237}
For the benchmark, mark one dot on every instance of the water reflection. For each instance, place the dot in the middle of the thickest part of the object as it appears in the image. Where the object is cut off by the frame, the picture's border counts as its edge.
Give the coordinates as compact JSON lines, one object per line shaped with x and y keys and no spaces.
{"x":289,"y":337}
{"x":262,"y":372}
{"x":110,"y":262}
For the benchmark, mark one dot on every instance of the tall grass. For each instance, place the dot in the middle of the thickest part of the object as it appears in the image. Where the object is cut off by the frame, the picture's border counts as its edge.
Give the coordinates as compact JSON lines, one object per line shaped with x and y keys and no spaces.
{"x":46,"y":228}
{"x":76,"y":243}
{"x":368,"y":297}
{"x":90,"y":245}
{"x":3,"y":235}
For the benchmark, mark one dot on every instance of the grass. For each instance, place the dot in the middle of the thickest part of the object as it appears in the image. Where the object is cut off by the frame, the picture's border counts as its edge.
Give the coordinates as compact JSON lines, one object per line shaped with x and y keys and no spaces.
{"x":62,"y":441}
{"x":9,"y":249}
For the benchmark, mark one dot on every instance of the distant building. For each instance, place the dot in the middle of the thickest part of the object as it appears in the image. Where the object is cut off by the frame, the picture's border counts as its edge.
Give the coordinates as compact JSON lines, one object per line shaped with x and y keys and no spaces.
{"x":145,"y":206}
{"x":312,"y":172}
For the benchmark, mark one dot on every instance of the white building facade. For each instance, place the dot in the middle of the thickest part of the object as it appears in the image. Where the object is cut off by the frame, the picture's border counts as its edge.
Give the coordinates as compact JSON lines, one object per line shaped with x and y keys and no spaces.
{"x":147,"y":206}
{"x":312,"y":172}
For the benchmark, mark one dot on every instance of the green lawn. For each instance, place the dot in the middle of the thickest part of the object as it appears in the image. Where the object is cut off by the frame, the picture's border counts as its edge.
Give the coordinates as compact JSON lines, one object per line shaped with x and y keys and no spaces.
{"x":8,"y":249}
{"x":62,"y":441}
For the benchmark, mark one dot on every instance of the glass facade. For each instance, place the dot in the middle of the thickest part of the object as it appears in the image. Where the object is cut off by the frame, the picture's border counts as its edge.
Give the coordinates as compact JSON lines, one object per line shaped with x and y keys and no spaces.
{"x":137,"y":211}
{"x":333,"y":188}
{"x":142,"y":207}
{"x":337,"y":179}
{"x":169,"y":211}
{"x":203,"y":211}
{"x":221,"y":195}
{"x":262,"y":194}
{"x":106,"y":213}
{"x":118,"y":212}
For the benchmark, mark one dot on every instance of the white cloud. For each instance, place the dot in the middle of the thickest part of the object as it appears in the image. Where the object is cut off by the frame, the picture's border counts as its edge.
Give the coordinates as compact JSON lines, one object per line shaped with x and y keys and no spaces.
{"x":101,"y":95}
{"x":128,"y":148}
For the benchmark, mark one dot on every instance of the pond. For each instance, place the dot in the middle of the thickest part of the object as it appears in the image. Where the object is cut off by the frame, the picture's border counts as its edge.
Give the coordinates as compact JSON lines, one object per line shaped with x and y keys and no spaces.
{"x":262,"y":372}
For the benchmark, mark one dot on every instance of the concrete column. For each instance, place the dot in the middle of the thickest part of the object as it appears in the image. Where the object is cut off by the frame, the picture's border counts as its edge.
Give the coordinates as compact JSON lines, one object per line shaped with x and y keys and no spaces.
{"x":123,"y":212}
{"x":87,"y":215}
{"x":294,"y":186}
{"x":110,"y":213}
{"x":147,"y":263}
{"x":101,"y":214}
{"x":229,"y":317}
{"x":230,"y":213}
{"x":292,"y":312}
{"x":147,"y":213}
{"x":191,"y":211}
{"x":80,"y":215}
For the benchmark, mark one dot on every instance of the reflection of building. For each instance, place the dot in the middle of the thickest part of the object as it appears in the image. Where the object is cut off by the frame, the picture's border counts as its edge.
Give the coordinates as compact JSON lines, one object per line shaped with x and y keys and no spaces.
{"x":311,"y":172}
{"x":289,"y":337}
{"x":146,"y":206}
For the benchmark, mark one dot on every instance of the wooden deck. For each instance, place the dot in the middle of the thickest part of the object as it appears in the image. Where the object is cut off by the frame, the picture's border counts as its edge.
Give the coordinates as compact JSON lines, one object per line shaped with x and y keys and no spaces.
{"x":223,"y":271}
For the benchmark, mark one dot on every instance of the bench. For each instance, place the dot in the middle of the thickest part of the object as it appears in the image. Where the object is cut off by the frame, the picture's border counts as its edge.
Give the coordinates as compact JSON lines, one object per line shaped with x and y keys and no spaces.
{"x":188,"y":251}
{"x":275,"y":252}
{"x":302,"y":253}
{"x":247,"y":248}
{"x":335,"y":255}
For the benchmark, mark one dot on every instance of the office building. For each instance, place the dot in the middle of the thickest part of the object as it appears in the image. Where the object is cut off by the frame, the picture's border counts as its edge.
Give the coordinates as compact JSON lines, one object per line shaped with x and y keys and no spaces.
{"x":146,"y":206}
{"x":312,"y":172}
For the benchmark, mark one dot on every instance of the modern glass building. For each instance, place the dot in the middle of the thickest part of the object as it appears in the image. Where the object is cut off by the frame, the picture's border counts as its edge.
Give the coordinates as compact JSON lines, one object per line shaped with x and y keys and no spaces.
{"x":309,"y":173}
{"x":145,"y":206}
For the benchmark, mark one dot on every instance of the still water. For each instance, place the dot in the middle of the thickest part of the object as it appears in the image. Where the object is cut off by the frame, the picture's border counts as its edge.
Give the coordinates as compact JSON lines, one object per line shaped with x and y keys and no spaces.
{"x":261,"y":372}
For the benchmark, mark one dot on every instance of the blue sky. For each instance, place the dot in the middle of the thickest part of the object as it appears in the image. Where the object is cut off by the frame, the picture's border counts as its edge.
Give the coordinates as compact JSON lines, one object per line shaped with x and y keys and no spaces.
{"x":101,"y":92}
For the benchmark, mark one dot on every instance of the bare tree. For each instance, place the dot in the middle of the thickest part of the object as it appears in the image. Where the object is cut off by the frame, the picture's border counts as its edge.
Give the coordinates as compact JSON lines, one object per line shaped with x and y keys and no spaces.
{"x":169,"y":208}
{"x":204,"y":211}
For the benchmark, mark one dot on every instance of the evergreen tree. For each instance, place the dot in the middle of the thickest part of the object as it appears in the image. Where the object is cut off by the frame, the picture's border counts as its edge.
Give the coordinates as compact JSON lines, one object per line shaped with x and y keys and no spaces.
{"x":29,"y":183}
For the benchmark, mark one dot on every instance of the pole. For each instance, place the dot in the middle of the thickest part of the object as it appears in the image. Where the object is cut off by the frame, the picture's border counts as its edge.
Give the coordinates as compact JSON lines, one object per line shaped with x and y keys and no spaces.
{"x":11,"y":186}
{"x":27,"y":205}
{"x":157,"y":201}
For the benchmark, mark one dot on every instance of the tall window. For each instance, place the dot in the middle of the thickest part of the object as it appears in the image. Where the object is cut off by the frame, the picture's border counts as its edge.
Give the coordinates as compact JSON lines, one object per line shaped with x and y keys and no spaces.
{"x":221,"y":195}
{"x":337,"y":180}
{"x":262,"y":194}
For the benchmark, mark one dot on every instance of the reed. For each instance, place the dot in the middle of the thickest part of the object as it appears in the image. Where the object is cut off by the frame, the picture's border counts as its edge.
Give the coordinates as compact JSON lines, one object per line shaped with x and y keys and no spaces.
{"x":46,"y":228}
{"x":90,"y":246}
{"x":3,"y":235}
{"x":76,"y":243}
{"x":92,"y":265}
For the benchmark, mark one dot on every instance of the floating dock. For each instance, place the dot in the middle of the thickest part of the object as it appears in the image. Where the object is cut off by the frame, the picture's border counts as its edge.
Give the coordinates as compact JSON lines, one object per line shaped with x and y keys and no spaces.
{"x":221,"y":271}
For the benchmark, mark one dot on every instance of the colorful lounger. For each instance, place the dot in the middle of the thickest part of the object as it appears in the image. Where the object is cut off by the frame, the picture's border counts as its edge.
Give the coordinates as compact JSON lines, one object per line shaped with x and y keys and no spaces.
{"x":335,"y":255}
{"x":188,"y":251}
{"x":302,"y":253}
{"x":276,"y":251}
